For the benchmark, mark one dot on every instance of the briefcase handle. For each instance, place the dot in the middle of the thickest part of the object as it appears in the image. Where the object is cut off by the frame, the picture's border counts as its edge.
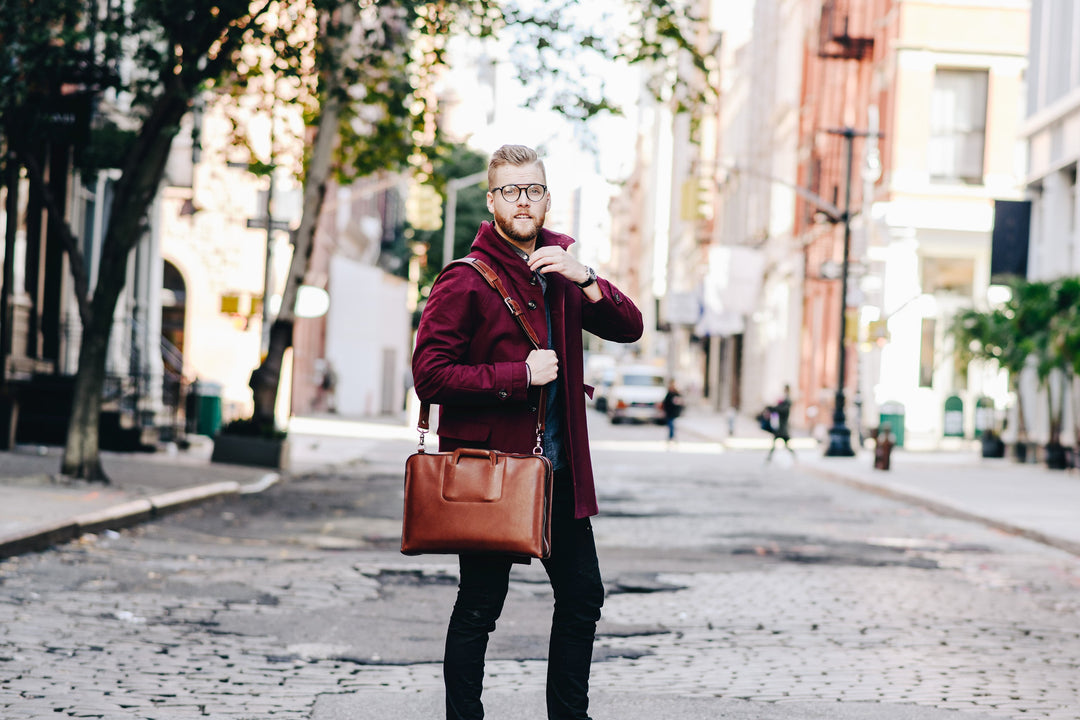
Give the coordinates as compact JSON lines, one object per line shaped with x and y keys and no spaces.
{"x":495,"y":282}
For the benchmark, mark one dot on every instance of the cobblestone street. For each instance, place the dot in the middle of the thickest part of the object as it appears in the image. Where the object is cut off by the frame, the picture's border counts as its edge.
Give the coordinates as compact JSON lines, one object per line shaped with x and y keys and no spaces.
{"x":727,"y":578}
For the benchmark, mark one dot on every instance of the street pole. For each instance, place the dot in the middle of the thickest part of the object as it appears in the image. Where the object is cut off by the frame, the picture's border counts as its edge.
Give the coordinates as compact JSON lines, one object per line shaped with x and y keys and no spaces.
{"x":268,"y":272}
{"x":452,"y":187}
{"x":839,"y":433}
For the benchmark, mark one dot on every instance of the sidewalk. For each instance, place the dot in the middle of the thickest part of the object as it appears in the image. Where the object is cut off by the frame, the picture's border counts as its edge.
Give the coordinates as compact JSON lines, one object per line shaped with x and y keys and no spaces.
{"x":38,"y":509}
{"x":1028,"y":500}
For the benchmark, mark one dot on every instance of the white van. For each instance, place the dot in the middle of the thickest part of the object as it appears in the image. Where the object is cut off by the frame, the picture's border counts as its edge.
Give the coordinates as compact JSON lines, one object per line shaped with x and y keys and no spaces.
{"x":637,"y":394}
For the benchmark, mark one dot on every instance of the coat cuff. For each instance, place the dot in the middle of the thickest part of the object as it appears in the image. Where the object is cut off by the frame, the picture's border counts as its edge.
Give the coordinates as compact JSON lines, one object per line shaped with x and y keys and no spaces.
{"x":511,"y":382}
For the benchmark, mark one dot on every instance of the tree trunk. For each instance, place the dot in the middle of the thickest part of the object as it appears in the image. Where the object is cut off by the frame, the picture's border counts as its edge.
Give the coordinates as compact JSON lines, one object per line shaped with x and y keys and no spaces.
{"x":1020,"y":447}
{"x":81,"y":456}
{"x":1075,"y":397}
{"x":1056,"y":457}
{"x":134,"y":192}
{"x":266,"y":378}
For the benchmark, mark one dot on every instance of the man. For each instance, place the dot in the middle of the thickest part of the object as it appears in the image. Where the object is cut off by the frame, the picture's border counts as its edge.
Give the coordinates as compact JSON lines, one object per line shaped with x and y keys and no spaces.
{"x":475,"y":362}
{"x":673,"y":407}
{"x":782,"y":410}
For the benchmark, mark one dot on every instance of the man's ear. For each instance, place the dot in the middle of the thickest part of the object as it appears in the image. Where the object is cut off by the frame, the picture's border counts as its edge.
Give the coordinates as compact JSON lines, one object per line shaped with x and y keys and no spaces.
{"x":491,"y":203}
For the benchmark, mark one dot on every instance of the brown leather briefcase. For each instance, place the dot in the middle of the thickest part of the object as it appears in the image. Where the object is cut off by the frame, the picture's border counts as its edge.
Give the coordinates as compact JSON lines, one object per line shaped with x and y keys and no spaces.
{"x":477,"y":501}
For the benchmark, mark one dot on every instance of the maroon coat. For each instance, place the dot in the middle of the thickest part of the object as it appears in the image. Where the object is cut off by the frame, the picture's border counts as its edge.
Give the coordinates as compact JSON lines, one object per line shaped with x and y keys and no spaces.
{"x":470,"y":354}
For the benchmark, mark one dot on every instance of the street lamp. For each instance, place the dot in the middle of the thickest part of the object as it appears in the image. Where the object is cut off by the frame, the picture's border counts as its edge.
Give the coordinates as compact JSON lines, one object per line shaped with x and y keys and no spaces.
{"x":449,"y":225}
{"x":839,"y":433}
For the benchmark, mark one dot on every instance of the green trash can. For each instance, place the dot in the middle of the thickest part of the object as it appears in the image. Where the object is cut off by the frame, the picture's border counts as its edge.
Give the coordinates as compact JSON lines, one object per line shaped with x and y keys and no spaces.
{"x":204,"y":408}
{"x":892,"y":412}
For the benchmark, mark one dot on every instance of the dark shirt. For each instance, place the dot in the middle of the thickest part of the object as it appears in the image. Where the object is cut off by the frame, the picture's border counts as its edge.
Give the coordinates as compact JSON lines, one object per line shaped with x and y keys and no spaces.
{"x":553,"y":418}
{"x":673,"y":404}
{"x":783,"y":411}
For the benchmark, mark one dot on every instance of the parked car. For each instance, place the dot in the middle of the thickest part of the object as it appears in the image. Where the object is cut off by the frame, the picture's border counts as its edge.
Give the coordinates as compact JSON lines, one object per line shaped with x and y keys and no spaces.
{"x":602,"y":388}
{"x":637,"y":394}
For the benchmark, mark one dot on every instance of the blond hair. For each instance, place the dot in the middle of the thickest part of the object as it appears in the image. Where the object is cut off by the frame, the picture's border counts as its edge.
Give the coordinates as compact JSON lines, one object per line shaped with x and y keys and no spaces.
{"x":516,"y":155}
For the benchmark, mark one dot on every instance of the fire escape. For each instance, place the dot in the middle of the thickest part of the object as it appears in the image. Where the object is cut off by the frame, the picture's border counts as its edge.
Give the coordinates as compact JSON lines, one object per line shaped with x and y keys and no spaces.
{"x":836,"y":40}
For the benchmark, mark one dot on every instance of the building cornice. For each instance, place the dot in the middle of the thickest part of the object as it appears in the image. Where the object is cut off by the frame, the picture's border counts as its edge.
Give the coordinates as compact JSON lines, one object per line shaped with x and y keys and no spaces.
{"x":1051,"y":114}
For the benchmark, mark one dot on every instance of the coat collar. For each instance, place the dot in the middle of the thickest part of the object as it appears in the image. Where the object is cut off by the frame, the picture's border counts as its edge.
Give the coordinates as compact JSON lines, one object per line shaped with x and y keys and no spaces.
{"x":489,"y":242}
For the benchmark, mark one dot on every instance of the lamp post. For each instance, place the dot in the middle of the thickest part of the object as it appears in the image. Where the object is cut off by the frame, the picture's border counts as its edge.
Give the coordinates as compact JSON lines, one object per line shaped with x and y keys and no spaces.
{"x":839,"y":433}
{"x":449,"y":224}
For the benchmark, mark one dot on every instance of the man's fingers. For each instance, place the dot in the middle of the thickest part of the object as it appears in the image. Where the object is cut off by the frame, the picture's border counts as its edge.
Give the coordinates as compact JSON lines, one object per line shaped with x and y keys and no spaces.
{"x":543,"y":365}
{"x":554,"y":259}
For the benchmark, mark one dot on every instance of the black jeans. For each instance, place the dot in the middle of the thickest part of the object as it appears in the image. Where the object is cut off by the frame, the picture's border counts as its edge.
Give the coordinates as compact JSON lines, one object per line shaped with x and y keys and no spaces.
{"x":579,"y":594}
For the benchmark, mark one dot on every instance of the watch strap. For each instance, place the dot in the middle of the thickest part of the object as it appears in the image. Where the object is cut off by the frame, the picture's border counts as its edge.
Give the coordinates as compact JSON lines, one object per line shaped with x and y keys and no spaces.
{"x":589,"y":280}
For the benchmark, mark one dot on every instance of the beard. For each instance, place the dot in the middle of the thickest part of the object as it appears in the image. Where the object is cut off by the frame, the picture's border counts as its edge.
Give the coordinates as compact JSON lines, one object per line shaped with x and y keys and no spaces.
{"x":507,"y":224}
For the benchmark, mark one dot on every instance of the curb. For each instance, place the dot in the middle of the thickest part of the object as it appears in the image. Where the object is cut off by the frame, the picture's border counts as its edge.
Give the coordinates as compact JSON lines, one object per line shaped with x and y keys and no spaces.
{"x":125,"y":514}
{"x":944,"y":510}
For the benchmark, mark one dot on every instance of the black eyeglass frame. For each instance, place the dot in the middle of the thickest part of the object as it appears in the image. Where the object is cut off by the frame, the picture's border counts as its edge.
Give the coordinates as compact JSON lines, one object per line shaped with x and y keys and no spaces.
{"x":518,"y":189}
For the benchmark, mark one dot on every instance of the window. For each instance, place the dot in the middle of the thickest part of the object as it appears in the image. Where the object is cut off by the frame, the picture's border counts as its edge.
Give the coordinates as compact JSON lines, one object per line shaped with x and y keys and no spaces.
{"x":953,"y":276}
{"x":958,"y":126}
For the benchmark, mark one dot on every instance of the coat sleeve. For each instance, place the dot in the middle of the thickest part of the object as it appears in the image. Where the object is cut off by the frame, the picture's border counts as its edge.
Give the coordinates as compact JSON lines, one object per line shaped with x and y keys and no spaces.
{"x":613,"y":317}
{"x":445,"y":370}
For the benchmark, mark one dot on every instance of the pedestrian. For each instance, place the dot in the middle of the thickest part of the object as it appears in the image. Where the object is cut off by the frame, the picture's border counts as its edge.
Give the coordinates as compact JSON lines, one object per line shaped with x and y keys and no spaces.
{"x":473,"y":360}
{"x":328,"y":387}
{"x":673,"y":407}
{"x":782,"y":411}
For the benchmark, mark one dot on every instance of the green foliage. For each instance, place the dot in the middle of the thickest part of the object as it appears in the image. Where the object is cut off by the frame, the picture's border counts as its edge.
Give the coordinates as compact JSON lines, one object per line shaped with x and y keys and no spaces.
{"x":1040,"y":321}
{"x":459,"y":161}
{"x":49,"y":67}
{"x":108,"y":146}
{"x":388,"y":122}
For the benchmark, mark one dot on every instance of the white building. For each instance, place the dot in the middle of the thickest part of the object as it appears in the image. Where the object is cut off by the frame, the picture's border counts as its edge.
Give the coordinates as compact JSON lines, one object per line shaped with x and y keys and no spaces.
{"x":759,"y":308}
{"x":1052,"y":132}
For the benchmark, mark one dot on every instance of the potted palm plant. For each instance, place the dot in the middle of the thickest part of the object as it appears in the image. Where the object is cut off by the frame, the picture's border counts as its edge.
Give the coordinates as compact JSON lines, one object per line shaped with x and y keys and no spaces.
{"x":990,"y":336}
{"x":1059,"y":356}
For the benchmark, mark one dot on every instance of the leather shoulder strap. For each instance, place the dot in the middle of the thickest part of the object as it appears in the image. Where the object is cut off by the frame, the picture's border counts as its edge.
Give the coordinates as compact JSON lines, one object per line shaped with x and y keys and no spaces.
{"x":493,"y":280}
{"x":489,"y":275}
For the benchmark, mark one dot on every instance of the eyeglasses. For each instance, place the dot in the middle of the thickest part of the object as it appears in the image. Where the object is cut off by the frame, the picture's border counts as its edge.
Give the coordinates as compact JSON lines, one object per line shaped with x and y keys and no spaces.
{"x":510,"y":193}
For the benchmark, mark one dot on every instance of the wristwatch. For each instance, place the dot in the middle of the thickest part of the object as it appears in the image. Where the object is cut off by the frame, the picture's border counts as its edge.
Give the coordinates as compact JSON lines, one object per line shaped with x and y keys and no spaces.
{"x":588,"y":280}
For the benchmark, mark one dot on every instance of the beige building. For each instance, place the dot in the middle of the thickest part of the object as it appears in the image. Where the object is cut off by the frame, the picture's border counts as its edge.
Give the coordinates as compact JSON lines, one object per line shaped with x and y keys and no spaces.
{"x":951,"y":79}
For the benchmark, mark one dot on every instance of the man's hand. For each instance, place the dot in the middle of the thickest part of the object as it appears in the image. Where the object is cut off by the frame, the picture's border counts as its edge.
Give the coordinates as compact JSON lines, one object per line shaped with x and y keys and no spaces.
{"x":552,"y":258}
{"x":543,"y":365}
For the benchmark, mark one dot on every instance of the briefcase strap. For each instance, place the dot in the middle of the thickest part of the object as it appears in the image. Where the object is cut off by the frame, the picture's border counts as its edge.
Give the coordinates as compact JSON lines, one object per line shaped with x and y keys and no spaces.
{"x":493,"y":280}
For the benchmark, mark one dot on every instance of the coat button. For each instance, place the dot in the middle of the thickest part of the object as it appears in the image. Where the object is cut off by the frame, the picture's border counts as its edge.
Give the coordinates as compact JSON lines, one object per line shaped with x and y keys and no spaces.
{"x":532,"y":279}
{"x":532,"y":408}
{"x":531,"y":305}
{"x":503,"y":394}
{"x":618,"y":297}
